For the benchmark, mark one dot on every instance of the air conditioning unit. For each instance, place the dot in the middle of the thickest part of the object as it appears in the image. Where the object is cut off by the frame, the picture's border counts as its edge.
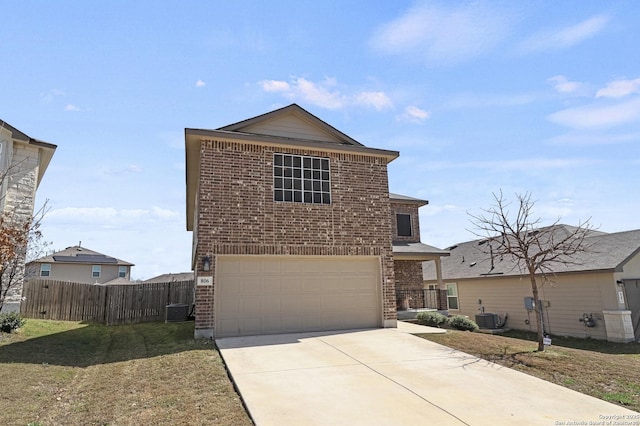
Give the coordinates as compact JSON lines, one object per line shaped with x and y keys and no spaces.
{"x":177,"y":312}
{"x":490,"y":321}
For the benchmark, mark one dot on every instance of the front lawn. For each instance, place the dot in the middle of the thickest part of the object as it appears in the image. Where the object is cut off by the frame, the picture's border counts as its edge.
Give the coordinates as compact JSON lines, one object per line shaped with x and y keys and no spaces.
{"x":605,"y":370}
{"x":57,"y":372}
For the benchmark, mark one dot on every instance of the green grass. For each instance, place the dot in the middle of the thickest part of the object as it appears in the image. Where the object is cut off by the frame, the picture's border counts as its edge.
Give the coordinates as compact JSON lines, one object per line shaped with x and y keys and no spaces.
{"x":605,"y":370}
{"x":57,"y":372}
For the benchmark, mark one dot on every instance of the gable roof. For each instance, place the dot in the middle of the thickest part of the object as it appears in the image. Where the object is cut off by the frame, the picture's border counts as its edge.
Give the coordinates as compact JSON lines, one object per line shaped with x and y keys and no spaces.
{"x":608,"y":252}
{"x":81,"y":255}
{"x":46,"y":149}
{"x":288,"y":127}
{"x":256,"y":125}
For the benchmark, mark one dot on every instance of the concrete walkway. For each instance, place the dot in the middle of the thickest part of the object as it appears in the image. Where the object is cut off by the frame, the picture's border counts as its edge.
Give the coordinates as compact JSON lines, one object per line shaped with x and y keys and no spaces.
{"x":389,"y":377}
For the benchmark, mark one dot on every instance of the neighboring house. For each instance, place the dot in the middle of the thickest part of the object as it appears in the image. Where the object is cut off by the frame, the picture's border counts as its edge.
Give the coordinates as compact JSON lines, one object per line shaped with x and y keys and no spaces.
{"x":292,"y":228}
{"x":23,"y":162}
{"x":597,"y":295}
{"x":81,"y":265}
{"x":169,"y":278}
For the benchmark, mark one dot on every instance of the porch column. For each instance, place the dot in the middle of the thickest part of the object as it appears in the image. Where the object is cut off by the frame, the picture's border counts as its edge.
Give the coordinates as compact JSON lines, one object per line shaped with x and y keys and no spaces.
{"x":439,"y":273}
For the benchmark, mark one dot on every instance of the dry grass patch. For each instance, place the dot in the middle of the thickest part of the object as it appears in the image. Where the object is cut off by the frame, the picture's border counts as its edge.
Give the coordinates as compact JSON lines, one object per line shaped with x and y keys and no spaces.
{"x":604,"y":370}
{"x":56,"y":372}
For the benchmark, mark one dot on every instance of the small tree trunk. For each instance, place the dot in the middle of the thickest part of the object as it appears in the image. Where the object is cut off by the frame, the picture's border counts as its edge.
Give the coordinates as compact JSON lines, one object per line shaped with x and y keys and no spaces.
{"x":534,"y":290}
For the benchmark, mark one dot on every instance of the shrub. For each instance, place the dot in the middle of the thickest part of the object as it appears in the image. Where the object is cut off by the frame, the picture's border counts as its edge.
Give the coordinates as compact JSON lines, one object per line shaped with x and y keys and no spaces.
{"x":10,"y":321}
{"x":431,"y":318}
{"x":460,"y":322}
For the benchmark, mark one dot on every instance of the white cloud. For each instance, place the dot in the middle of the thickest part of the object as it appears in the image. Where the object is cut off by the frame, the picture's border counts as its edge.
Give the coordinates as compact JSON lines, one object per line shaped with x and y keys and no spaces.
{"x":109,"y":217}
{"x":326,"y":94}
{"x":515,"y":164}
{"x":318,"y":94}
{"x":49,"y":96}
{"x":71,"y":107}
{"x":472,"y":100}
{"x":200,"y":83}
{"x":443,"y":35}
{"x":565,"y":37}
{"x":594,"y":116}
{"x":413,"y":114}
{"x":591,"y":138}
{"x":377,"y":100}
{"x":562,"y":85}
{"x":619,"y":89}
{"x":275,"y":86}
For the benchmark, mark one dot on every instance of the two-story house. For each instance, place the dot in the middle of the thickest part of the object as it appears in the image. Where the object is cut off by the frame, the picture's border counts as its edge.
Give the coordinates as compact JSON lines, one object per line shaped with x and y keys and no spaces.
{"x":80,"y":265}
{"x":292,"y":228}
{"x":23,"y":162}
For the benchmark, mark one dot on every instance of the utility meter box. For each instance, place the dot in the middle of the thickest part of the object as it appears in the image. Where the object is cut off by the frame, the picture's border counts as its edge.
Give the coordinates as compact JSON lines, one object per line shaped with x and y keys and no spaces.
{"x":529,"y":304}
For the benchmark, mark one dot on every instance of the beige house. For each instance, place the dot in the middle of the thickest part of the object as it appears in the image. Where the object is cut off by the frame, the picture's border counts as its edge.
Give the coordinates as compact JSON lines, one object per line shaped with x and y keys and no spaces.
{"x":23,"y":162}
{"x":81,"y":265}
{"x":292,"y":228}
{"x":597,"y":296}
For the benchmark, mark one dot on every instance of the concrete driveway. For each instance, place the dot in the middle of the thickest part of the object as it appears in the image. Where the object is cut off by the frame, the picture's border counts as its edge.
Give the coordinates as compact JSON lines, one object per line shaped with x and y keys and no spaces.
{"x":390,"y":377}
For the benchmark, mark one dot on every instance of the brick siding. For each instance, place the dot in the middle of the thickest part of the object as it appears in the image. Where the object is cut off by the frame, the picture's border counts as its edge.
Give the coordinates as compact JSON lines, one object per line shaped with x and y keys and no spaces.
{"x":411,"y":210}
{"x":236,"y":213}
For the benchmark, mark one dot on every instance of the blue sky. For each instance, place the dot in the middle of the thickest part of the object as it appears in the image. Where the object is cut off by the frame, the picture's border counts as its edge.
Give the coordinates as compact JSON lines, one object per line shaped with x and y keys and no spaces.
{"x":478,"y":97}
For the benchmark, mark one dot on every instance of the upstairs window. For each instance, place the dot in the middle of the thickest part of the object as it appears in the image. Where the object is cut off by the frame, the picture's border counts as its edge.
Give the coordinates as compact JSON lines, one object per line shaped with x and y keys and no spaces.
{"x":122,"y":271}
{"x":301,"y":179}
{"x":45,"y":270}
{"x":95,"y":271}
{"x":403,"y":222}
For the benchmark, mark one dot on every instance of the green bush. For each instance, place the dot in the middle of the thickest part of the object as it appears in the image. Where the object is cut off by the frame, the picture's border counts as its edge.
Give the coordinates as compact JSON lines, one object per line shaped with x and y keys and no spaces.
{"x":460,"y":322}
{"x":10,"y":322}
{"x":431,"y":318}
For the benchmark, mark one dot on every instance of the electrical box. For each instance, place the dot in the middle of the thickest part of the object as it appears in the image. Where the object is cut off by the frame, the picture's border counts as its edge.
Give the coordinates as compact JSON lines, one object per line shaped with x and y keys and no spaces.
{"x":529,"y":304}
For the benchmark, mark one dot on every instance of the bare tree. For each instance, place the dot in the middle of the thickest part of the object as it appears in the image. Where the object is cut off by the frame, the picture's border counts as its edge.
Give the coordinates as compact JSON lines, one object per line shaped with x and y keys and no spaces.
{"x":536,"y":250}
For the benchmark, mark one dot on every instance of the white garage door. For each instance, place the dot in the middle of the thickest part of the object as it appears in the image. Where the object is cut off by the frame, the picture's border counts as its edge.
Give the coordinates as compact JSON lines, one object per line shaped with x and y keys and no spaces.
{"x":270,"y":294}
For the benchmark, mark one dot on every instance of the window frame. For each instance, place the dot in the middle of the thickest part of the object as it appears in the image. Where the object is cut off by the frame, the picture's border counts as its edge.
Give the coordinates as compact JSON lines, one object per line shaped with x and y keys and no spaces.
{"x":96,"y":269}
{"x":45,"y":267}
{"x":122,"y":271}
{"x":404,"y":225}
{"x":301,"y":179}
{"x":453,"y":295}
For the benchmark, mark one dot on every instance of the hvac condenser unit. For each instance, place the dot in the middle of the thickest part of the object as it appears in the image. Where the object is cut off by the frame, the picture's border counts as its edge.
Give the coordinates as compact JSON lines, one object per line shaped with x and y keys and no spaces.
{"x":177,"y":312}
{"x":490,"y":321}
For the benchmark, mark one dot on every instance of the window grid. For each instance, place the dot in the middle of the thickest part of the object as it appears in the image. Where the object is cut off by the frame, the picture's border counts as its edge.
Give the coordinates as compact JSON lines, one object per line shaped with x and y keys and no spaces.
{"x":301,"y":179}
{"x":95,"y":271}
{"x":122,"y":271}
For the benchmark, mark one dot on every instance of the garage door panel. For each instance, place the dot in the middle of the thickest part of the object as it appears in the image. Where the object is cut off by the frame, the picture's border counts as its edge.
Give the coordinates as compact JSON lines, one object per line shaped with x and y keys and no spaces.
{"x":291,"y":284}
{"x":269,"y":267}
{"x":267,"y":295}
{"x":247,"y":285}
{"x":269,"y":285}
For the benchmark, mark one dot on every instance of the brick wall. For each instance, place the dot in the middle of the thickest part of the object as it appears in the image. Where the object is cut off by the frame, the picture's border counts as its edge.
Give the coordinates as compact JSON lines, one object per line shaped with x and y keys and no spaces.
{"x":411,"y":210}
{"x":236,"y":213}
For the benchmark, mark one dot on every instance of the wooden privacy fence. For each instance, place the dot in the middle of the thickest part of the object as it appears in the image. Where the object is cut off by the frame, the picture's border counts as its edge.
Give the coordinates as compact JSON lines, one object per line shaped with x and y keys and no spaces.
{"x":108,"y":304}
